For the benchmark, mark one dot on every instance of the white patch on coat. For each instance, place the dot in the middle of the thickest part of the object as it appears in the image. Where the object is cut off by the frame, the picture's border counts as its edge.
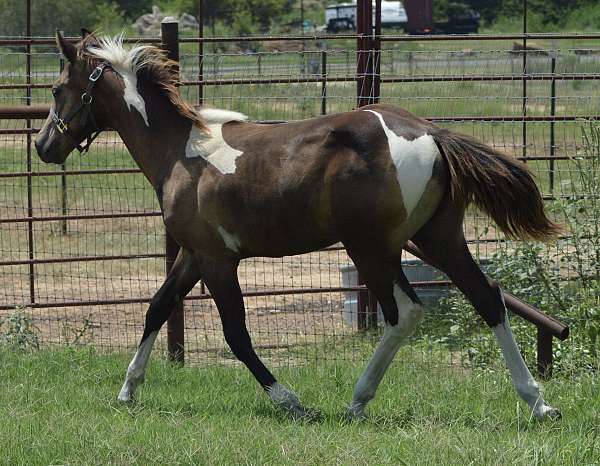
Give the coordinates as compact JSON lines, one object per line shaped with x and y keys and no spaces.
{"x":414,"y":163}
{"x":212,"y":148}
{"x":525,"y":385}
{"x":409,"y":314}
{"x":218,"y":116}
{"x":230,"y":240}
{"x":127,"y":62}
{"x":137,"y":368}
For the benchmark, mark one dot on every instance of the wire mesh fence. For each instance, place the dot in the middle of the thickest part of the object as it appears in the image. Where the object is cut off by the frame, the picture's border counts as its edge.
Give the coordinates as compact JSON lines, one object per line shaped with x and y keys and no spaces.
{"x":83,"y":244}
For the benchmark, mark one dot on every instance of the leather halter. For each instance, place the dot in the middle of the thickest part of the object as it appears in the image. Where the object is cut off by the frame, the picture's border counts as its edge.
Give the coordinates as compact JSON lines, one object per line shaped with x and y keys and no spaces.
{"x":85,"y":105}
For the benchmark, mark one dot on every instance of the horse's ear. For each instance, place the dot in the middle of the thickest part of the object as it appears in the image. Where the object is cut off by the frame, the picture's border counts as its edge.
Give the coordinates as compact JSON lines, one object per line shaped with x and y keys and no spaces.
{"x":68,"y":50}
{"x":85,"y":33}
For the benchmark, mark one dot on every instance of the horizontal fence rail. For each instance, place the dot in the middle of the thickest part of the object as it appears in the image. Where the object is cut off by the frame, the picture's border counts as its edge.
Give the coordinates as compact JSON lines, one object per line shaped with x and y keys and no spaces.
{"x":100,"y":211}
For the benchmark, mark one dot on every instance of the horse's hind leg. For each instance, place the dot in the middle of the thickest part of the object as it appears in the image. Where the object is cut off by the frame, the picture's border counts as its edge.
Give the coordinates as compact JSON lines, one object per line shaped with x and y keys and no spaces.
{"x":180,"y":280}
{"x":401,"y":310}
{"x":442,"y":241}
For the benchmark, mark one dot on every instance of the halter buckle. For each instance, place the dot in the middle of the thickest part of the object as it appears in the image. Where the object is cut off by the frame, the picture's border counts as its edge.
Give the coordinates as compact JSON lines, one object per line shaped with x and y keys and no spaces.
{"x":96,"y":74}
{"x":86,"y":98}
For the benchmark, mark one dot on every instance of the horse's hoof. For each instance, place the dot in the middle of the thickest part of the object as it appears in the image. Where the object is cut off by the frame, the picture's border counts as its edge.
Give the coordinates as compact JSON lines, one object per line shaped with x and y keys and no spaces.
{"x":300,"y":413}
{"x":125,"y":396}
{"x":548,"y":412}
{"x":356,"y":414}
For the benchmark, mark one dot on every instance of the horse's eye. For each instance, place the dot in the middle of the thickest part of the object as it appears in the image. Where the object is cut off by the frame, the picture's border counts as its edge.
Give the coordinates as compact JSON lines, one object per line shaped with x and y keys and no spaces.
{"x":55,"y":91}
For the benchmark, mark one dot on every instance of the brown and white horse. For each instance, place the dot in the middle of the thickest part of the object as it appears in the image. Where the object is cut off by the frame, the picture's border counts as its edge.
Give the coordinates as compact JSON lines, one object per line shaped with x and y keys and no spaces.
{"x":231,"y":189}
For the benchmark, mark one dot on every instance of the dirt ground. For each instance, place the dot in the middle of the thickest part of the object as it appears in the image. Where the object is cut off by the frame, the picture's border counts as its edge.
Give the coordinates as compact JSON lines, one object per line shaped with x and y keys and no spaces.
{"x":275,"y":322}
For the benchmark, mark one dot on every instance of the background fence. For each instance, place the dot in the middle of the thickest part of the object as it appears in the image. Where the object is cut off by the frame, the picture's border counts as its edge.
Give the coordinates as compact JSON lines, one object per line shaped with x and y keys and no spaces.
{"x":83,"y":245}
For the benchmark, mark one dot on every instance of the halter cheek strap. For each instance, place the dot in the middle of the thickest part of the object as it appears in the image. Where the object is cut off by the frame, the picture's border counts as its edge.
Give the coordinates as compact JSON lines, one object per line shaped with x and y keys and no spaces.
{"x":85,"y":105}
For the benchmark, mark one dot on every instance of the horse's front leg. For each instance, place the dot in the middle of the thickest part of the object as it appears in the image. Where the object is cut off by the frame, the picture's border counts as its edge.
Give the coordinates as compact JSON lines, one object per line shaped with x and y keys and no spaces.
{"x":221,"y":279}
{"x":181,"y":279}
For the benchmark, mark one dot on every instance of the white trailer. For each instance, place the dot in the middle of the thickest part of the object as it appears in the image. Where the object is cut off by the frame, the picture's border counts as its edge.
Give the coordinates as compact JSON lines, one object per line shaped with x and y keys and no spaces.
{"x":392,"y":15}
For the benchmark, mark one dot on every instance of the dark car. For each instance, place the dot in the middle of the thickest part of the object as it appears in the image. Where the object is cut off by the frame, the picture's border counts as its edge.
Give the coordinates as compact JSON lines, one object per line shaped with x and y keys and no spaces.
{"x":340,"y":24}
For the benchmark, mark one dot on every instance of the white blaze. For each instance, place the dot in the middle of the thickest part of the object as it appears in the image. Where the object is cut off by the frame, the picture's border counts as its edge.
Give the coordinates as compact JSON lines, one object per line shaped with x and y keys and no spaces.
{"x":414,"y":163}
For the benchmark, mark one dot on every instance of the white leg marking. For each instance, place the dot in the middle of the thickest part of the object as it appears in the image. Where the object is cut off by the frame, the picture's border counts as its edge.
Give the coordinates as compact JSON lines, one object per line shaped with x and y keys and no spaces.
{"x":137,"y":368}
{"x":524,"y":383}
{"x":286,"y":398}
{"x":230,"y":240}
{"x":409,"y":314}
{"x":212,"y":148}
{"x":414,"y":163}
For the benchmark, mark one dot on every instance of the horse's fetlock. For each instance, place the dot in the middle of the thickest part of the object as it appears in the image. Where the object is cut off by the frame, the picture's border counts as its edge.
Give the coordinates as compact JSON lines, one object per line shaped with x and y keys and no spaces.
{"x":529,"y":391}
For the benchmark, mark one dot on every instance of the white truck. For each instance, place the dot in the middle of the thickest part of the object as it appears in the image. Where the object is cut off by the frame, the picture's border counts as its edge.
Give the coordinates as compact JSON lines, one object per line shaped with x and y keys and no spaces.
{"x":343,"y":15}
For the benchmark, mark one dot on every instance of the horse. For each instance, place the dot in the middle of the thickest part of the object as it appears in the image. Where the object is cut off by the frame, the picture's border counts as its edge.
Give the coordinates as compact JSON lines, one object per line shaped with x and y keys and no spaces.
{"x":230,"y":189}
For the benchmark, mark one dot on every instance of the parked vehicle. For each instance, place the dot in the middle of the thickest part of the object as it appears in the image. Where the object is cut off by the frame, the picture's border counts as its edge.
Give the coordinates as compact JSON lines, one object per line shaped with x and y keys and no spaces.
{"x":460,"y":19}
{"x":343,"y":15}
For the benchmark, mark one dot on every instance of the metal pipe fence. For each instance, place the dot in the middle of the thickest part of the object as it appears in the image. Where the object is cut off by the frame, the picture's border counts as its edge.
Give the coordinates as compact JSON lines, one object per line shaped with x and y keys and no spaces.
{"x":83,"y":247}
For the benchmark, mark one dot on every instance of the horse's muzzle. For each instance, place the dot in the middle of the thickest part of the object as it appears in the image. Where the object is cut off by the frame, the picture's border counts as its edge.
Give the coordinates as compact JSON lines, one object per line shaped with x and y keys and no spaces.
{"x":49,"y":149}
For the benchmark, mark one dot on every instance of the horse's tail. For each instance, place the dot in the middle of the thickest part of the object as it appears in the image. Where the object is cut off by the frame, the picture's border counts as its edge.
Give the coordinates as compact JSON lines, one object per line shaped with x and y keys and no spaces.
{"x":498,"y":184}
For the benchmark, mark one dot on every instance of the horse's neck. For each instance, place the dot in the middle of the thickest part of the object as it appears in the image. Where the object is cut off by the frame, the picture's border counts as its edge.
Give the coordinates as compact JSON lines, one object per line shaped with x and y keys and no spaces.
{"x":151,"y":146}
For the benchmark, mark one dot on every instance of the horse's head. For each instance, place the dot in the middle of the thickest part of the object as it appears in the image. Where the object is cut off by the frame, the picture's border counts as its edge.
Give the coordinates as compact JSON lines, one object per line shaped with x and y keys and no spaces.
{"x":73,"y":115}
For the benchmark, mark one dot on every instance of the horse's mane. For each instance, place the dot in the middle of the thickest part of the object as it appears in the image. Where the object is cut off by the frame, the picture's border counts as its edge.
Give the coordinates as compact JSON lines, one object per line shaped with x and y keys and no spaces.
{"x":146,"y":62}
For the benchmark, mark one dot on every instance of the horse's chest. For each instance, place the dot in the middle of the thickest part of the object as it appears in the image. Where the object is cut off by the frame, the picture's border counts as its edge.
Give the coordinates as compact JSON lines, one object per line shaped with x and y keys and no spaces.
{"x":178,"y":201}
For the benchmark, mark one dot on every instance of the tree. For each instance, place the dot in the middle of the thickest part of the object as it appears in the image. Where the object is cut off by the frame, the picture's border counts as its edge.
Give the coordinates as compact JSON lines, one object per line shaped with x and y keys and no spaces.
{"x":49,"y":15}
{"x":135,"y":8}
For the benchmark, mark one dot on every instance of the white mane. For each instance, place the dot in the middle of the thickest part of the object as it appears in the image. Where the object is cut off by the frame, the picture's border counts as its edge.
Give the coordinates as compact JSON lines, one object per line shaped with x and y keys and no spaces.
{"x":122,"y":58}
{"x":127,"y":62}
{"x":214,"y":116}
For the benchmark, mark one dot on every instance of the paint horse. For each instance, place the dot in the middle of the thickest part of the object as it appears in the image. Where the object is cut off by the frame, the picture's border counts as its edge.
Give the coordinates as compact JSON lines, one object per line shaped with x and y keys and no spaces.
{"x":230,"y":189}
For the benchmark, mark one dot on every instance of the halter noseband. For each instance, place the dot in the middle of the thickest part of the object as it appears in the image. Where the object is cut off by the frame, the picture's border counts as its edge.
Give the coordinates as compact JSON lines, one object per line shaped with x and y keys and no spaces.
{"x":62,"y":124}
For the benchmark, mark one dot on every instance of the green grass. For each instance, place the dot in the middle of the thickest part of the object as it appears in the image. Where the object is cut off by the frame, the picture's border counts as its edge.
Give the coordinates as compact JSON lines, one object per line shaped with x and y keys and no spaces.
{"x":58,"y":407}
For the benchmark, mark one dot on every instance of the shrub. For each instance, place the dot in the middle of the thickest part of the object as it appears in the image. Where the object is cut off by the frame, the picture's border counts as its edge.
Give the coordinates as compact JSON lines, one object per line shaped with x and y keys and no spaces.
{"x":19,"y":333}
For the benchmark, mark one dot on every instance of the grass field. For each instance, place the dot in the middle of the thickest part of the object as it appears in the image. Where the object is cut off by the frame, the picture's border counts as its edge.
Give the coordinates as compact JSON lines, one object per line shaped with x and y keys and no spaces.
{"x":59,"y":407}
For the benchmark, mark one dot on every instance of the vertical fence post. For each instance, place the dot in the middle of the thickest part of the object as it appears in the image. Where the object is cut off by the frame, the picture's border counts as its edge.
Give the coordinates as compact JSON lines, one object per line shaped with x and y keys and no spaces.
{"x":63,"y":180}
{"x":552,"y":122}
{"x":376,"y":52}
{"x":366,"y":93}
{"x":363,"y":84}
{"x":324,"y":82}
{"x":29,"y":163}
{"x":524,"y":108}
{"x":361,"y":304}
{"x":200,"y":52}
{"x":175,"y":324}
{"x":544,"y":352}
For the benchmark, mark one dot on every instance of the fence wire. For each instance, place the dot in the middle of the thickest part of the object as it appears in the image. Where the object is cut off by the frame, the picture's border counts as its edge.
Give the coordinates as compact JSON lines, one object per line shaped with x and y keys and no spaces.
{"x":82,"y":246}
